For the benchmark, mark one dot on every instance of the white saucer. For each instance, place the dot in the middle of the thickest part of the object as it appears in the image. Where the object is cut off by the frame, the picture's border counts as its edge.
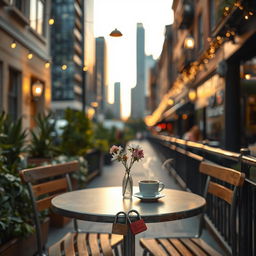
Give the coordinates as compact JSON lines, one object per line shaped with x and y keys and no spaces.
{"x":148,"y":198}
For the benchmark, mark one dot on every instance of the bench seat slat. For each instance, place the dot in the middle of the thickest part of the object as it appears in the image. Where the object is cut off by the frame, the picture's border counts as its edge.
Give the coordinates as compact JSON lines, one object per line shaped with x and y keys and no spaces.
{"x":152,"y":246}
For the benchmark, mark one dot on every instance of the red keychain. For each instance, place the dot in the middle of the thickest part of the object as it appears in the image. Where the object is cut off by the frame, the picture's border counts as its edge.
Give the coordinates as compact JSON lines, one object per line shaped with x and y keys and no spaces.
{"x":136,"y":226}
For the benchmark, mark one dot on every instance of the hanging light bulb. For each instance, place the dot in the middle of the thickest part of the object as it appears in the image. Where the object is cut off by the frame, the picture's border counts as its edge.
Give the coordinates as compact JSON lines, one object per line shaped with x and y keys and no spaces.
{"x":13,"y":45}
{"x":30,"y":55}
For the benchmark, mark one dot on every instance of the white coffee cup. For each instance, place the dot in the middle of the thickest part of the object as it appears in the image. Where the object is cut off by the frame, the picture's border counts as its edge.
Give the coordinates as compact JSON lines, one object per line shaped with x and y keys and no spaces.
{"x":150,"y":187}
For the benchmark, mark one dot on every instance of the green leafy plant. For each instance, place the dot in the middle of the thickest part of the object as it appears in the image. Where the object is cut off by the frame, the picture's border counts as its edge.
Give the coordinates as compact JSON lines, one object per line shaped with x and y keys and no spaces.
{"x":43,"y":137}
{"x":101,"y":137}
{"x":12,"y":142}
{"x":77,"y":136}
{"x":16,"y":209}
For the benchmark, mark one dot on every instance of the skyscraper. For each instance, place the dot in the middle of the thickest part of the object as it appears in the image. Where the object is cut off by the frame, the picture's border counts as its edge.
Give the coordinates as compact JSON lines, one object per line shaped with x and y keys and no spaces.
{"x":117,"y":103}
{"x":100,"y":70}
{"x":138,"y":93}
{"x":71,"y":36}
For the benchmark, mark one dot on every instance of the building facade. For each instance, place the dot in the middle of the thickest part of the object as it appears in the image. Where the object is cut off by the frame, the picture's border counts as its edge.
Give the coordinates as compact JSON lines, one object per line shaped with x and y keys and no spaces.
{"x":72,"y":61}
{"x":24,"y":58}
{"x":213,"y":72}
{"x":138,"y":92}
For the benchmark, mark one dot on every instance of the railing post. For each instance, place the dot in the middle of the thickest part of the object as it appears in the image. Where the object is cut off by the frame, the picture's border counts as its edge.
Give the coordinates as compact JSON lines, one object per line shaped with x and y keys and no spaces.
{"x":243,"y":205}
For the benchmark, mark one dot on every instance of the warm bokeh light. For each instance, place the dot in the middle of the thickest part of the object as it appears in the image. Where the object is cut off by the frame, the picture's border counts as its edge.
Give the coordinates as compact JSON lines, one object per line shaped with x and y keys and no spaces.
{"x":37,"y":89}
{"x":64,"y":67}
{"x":189,"y":42}
{"x":47,"y":64}
{"x":51,"y":21}
{"x":13,"y":45}
{"x":192,"y":94}
{"x":85,"y":68}
{"x":30,"y":56}
{"x":247,"y":76}
{"x":170,"y":102}
{"x":95,"y":104}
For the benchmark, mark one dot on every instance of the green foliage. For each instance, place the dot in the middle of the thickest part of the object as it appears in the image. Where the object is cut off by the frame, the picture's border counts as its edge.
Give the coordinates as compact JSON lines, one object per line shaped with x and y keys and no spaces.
{"x":134,"y":126}
{"x":101,"y":137}
{"x":16,"y":209}
{"x":77,"y":136}
{"x":12,"y":142}
{"x":43,"y":136}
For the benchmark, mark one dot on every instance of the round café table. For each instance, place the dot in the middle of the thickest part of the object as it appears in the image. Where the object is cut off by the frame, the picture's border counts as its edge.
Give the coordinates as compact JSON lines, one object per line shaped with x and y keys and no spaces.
{"x":102,"y":204}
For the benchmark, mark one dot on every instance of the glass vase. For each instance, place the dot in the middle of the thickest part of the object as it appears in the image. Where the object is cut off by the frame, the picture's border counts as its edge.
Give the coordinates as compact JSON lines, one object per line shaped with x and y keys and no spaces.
{"x":127,"y":186}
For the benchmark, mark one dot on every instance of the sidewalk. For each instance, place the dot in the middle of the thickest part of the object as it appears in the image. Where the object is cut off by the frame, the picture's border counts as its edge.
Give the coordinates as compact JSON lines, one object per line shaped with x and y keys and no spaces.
{"x":149,"y":167}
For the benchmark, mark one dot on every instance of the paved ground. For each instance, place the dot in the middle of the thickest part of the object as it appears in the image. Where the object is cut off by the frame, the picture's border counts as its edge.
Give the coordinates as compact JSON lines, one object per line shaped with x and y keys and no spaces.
{"x":150,"y":167}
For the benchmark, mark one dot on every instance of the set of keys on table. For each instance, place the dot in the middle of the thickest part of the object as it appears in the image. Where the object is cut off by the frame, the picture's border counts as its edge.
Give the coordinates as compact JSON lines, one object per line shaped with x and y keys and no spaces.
{"x":136,"y":226}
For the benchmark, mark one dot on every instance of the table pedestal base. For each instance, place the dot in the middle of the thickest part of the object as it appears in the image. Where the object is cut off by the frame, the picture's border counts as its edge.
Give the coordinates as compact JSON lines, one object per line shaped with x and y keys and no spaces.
{"x":129,"y":244}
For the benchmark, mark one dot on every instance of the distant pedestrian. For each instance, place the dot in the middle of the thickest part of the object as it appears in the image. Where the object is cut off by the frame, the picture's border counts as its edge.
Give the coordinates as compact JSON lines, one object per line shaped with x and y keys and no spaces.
{"x":193,"y":134}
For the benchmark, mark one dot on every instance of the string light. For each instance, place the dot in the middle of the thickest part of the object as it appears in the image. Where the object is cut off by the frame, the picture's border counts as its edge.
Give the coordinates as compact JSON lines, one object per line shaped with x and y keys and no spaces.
{"x":64,"y":67}
{"x":215,"y":43}
{"x":85,"y":68}
{"x":13,"y":45}
{"x":30,"y":55}
{"x":51,"y":21}
{"x":47,"y":64}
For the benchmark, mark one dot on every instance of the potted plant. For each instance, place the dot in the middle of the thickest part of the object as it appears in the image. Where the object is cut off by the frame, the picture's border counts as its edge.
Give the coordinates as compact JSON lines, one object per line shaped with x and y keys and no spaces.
{"x":77,"y":136}
{"x":17,"y":235}
{"x":12,"y":142}
{"x":102,"y":140}
{"x":42,"y":145}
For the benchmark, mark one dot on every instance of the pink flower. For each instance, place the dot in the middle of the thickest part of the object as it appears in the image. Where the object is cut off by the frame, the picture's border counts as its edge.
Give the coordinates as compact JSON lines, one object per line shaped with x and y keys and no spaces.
{"x":137,"y":154}
{"x":115,"y":149}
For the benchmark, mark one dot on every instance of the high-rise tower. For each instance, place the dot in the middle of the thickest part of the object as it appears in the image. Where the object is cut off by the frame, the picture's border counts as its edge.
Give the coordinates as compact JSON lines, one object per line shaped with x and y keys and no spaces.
{"x":138,"y":93}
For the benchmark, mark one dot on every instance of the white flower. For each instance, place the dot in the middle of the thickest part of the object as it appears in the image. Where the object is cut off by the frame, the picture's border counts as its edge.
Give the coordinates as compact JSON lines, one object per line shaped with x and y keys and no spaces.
{"x":134,"y":146}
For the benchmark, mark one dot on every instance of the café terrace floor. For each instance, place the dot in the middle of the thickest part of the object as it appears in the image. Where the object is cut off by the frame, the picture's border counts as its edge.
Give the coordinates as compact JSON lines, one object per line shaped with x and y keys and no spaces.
{"x":149,"y":167}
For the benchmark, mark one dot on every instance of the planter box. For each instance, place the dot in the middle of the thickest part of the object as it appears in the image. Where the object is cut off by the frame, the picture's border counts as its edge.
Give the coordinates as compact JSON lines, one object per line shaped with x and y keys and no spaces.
{"x":58,"y":221}
{"x":26,"y":246}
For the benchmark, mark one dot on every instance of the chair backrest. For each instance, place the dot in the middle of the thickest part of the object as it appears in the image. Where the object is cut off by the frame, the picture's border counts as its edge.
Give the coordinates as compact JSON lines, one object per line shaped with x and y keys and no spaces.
{"x":223,"y":183}
{"x":45,"y":182}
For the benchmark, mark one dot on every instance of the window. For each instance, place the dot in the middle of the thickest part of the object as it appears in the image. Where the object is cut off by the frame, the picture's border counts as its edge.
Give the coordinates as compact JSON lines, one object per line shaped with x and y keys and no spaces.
{"x":37,"y":18}
{"x":212,"y":14}
{"x":19,"y":4}
{"x":13,"y":93}
{"x":200,"y":38}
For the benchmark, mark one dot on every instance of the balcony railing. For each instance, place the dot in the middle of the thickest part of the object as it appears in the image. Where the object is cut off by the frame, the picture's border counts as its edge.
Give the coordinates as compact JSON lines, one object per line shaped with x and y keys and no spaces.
{"x":187,"y":157}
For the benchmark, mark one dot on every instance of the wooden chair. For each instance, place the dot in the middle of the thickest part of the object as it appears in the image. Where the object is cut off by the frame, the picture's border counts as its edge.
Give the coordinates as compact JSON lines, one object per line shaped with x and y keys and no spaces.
{"x":44,"y":183}
{"x":196,"y":246}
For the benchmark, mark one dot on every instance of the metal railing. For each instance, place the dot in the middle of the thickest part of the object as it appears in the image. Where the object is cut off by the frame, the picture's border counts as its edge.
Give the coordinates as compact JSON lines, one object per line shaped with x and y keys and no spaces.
{"x":187,"y":156}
